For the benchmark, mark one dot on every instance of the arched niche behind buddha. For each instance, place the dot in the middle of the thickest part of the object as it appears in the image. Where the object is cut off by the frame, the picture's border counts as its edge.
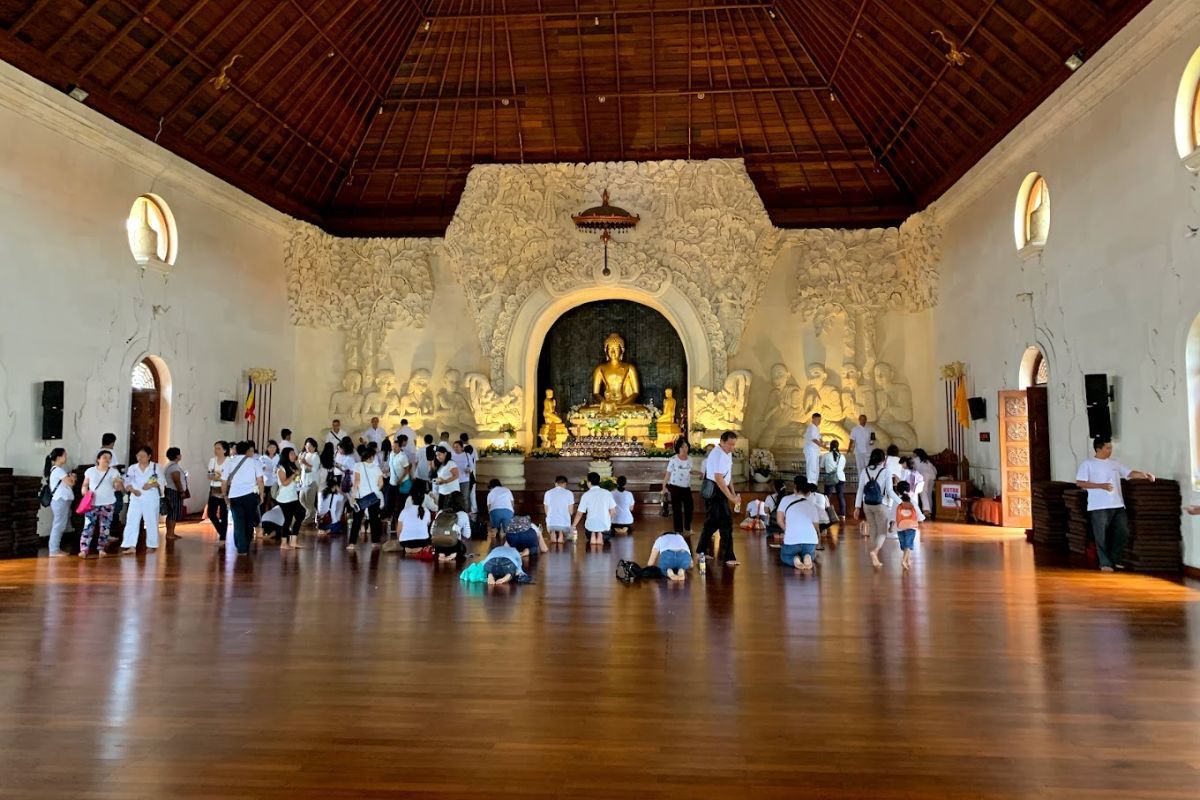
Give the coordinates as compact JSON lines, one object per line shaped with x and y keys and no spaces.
{"x":574,"y":348}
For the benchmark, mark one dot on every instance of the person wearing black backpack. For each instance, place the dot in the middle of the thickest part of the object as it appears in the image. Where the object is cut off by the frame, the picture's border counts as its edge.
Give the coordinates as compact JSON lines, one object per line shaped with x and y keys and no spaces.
{"x":875,"y":494}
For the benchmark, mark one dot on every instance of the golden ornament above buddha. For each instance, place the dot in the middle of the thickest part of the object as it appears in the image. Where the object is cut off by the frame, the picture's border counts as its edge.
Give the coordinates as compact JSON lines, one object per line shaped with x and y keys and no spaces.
{"x":615,"y":384}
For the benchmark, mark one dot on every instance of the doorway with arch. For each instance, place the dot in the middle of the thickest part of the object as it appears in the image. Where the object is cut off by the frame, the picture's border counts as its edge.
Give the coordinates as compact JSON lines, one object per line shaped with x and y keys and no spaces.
{"x":149,"y":407}
{"x":1024,"y":438}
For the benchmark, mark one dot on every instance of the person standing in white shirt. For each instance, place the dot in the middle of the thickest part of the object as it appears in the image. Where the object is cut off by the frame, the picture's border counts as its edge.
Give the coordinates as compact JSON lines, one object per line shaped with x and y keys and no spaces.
{"x":559,"y":505}
{"x":875,"y":494}
{"x":1101,"y":476}
{"x":813,"y":444}
{"x":242,"y":486}
{"x":929,"y":474}
{"x":407,"y":431}
{"x":862,"y":441}
{"x":833,"y":465}
{"x":374,"y":434}
{"x":270,"y":463}
{"x":463,"y":461}
{"x":218,"y":511}
{"x":103,"y":481}
{"x":285,"y":441}
{"x":721,"y":501}
{"x":145,"y":490}
{"x":400,"y":480}
{"x":62,"y":492}
{"x":597,"y":505}
{"x":310,"y":470}
{"x":445,"y":477}
{"x":335,"y":434}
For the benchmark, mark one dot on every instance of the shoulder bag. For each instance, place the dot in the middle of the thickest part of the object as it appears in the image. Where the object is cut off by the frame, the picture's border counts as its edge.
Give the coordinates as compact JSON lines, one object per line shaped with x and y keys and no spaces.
{"x":89,"y":497}
{"x":46,"y":496}
{"x":224,"y":492}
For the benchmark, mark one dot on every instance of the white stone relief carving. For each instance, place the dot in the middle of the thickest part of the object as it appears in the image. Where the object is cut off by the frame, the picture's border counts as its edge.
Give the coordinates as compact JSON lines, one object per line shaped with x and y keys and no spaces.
{"x":726,"y":409}
{"x":453,"y":410}
{"x":492,"y":411}
{"x":704,"y":231}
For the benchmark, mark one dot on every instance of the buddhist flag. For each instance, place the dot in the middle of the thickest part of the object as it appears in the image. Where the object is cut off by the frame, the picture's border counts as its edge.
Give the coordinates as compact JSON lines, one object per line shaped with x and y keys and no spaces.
{"x":962,"y":409}
{"x":249,"y":400}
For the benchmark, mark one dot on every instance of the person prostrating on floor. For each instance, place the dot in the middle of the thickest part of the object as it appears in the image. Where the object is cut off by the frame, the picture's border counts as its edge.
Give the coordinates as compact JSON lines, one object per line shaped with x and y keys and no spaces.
{"x":503,"y":563}
{"x":672,"y":555}
{"x":598,"y":506}
{"x":720,"y":501}
{"x":522,"y":534}
{"x":799,"y":516}
{"x":559,"y":504}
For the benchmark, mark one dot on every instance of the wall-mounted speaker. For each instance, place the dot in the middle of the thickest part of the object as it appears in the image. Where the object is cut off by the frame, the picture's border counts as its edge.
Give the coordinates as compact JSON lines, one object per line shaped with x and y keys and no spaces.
{"x":228,"y":410}
{"x":52,"y":394}
{"x":1099,"y":421}
{"x":978,"y":407}
{"x":1096,"y":390}
{"x":52,"y":423}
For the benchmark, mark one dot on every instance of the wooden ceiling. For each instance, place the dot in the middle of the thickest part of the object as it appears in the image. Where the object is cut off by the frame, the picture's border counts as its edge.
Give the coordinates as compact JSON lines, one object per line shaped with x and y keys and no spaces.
{"x":365,"y":116}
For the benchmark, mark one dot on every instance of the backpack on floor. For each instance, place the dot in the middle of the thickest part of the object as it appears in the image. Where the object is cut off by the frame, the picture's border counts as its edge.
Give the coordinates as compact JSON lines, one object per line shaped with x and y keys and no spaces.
{"x":628,"y":572}
{"x":479,"y":529}
{"x":445,"y":530}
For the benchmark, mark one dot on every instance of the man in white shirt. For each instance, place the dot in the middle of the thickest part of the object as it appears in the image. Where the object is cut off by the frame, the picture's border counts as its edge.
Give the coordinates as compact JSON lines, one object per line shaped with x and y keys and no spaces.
{"x":375,"y":434}
{"x":559,"y":505}
{"x":400,"y":474}
{"x":463,"y":462}
{"x":406,"y":430}
{"x":285,"y":440}
{"x":1101,"y":476}
{"x":718,"y":514}
{"x":335,"y":434}
{"x":597,"y":505}
{"x":242,"y":486}
{"x":862,"y":440}
{"x":812,"y":450}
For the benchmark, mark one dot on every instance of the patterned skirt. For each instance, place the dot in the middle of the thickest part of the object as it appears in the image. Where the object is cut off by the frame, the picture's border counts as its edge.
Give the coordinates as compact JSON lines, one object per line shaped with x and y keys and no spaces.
{"x":174,"y":505}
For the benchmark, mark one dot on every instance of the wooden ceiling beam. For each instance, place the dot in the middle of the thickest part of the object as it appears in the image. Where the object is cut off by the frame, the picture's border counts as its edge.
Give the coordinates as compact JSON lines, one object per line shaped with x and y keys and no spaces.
{"x":1017,"y":25}
{"x":462,"y":72}
{"x":653,"y":80}
{"x":617,"y":76}
{"x":323,"y":32}
{"x":436,"y":107}
{"x":546,"y":73}
{"x":712,"y":106}
{"x":579,"y":14}
{"x":397,"y":102}
{"x":24,"y":19}
{"x":1057,"y":21}
{"x":587,"y":123}
{"x":425,"y":39}
{"x":81,"y":20}
{"x":164,"y":38}
{"x":113,"y":41}
{"x":995,"y":41}
{"x":837,"y":65}
{"x":762,"y":64}
{"x":737,"y":122}
{"x":512,"y":77}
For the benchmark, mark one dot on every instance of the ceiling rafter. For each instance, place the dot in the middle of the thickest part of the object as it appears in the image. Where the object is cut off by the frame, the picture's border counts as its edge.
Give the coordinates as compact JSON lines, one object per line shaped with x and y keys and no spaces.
{"x":80,"y":21}
{"x":117,"y":38}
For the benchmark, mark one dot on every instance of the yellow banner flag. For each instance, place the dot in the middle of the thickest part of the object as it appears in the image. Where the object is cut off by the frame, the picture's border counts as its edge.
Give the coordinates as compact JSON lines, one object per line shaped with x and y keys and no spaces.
{"x":962,"y":409}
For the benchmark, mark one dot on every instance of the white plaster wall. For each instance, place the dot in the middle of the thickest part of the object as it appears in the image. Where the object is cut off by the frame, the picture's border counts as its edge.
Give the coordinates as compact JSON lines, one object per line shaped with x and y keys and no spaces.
{"x":1115,"y":289}
{"x":76,"y":307}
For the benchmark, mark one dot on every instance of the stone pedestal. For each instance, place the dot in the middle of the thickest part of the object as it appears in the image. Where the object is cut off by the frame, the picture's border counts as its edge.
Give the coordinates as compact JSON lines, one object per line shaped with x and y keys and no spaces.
{"x":510,"y":469}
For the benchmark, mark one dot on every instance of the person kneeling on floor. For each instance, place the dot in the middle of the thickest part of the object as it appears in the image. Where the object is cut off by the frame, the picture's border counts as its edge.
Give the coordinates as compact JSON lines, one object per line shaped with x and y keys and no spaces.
{"x":672,"y":555}
{"x":451,"y":529}
{"x":523,"y":535}
{"x":503,"y":563}
{"x":799,"y":517}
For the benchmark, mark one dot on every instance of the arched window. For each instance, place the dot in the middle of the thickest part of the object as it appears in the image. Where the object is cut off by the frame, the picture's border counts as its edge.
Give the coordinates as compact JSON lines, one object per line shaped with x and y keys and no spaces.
{"x":1041,"y":371}
{"x":152,"y":232}
{"x":1187,"y":114}
{"x":143,"y":376}
{"x":1035,"y":369}
{"x":1031,"y":218}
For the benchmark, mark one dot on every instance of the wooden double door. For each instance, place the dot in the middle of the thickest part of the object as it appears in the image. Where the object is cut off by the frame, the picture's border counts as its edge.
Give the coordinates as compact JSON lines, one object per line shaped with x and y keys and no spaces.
{"x":1024,"y":451}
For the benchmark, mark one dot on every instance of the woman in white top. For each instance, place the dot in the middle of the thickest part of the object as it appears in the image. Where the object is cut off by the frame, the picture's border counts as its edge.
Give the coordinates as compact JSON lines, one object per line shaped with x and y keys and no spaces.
{"x":62,"y":492}
{"x":446,"y":480}
{"x":218,"y":509}
{"x":623,"y":513}
{"x":310,"y":467}
{"x":343,"y":464}
{"x":677,"y":482}
{"x":800,"y":517}
{"x":287,"y":474}
{"x":875,"y":494}
{"x":500,"y":504}
{"x":366,"y":498}
{"x":929,"y":474}
{"x":833,"y":471}
{"x":331,"y":508}
{"x":415,"y":520}
{"x":144,"y":489}
{"x":672,"y":555}
{"x":103,"y":481}
{"x":270,"y":466}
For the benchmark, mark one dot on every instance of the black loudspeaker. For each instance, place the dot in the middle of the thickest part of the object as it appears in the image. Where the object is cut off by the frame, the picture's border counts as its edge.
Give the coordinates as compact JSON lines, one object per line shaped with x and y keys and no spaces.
{"x":978,"y":407}
{"x":52,"y":394}
{"x":52,"y":422}
{"x":228,"y":410}
{"x":1095,"y":389}
{"x":1099,"y":421}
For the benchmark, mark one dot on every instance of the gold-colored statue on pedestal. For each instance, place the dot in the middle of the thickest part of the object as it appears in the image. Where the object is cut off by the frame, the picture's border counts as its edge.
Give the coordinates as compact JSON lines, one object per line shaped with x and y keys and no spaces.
{"x":615,"y":384}
{"x":553,"y":432}
{"x":667,"y":426}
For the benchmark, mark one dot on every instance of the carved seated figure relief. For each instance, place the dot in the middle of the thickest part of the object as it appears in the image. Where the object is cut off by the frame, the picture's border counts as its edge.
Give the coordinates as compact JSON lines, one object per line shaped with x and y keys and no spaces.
{"x":895,"y":407}
{"x":384,"y":400}
{"x":822,"y":397}
{"x":783,"y":406}
{"x":858,"y":397}
{"x":494,"y":411}
{"x":417,"y":401}
{"x":346,"y":404}
{"x":723,"y":410}
{"x":453,"y":410}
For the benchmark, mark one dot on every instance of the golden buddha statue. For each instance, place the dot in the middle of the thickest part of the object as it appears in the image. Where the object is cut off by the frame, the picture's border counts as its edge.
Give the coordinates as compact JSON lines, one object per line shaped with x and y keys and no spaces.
{"x":549,"y":412}
{"x":615,"y":384}
{"x":667,"y":426}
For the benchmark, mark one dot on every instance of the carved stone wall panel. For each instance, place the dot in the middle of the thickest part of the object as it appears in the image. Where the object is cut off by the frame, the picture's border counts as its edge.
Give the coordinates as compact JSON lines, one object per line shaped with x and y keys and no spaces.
{"x":704,"y":231}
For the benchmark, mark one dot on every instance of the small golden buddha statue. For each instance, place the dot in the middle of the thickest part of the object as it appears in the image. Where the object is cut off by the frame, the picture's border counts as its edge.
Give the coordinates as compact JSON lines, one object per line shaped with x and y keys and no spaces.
{"x":615,"y":384}
{"x":666,"y":420}
{"x":549,"y":412}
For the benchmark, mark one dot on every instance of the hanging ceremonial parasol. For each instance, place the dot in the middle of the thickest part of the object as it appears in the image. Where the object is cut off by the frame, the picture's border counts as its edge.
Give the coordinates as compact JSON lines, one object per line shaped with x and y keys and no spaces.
{"x":605,"y":218}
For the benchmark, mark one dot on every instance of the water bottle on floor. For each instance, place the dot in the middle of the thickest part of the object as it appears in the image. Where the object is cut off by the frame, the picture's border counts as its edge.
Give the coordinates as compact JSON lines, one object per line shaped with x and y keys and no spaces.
{"x":702,"y":563}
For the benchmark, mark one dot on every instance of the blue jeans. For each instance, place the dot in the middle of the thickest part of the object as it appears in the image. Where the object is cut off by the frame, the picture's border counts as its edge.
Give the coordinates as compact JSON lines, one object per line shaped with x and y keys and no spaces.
{"x":788,"y":552}
{"x":1110,"y":529}
{"x":674,"y":559}
{"x":907,"y":538}
{"x":244,"y":511}
{"x":499,"y":517}
{"x":499,"y":567}
{"x":524,"y":540}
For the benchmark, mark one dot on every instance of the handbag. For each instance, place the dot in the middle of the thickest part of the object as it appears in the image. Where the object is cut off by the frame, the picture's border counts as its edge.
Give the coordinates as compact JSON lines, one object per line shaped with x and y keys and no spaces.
{"x":665,"y":505}
{"x":164,"y":505}
{"x":46,"y":496}
{"x":708,"y":489}
{"x":89,"y":497}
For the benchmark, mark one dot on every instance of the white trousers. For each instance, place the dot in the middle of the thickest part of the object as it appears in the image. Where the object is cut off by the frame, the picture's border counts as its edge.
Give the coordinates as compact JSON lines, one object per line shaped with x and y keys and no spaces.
{"x":139,"y":510}
{"x":812,"y":466}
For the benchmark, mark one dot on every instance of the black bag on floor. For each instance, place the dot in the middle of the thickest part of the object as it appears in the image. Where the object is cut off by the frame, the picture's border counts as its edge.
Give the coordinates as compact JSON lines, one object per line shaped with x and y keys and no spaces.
{"x":628,"y":571}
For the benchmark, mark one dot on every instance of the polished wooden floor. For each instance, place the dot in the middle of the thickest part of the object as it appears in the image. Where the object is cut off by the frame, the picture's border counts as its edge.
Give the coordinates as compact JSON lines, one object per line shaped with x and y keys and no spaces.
{"x":188,"y":674}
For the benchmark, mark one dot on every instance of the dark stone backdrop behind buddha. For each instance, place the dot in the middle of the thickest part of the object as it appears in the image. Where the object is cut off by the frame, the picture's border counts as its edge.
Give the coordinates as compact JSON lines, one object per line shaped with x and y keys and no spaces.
{"x":574,"y":347}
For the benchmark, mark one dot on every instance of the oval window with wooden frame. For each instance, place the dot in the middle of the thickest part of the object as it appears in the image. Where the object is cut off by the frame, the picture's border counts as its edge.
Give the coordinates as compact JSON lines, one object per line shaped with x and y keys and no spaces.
{"x":1031,"y":223}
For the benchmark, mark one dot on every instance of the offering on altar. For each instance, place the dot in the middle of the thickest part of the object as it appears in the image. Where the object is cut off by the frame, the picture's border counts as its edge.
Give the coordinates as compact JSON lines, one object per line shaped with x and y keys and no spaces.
{"x":602,"y":446}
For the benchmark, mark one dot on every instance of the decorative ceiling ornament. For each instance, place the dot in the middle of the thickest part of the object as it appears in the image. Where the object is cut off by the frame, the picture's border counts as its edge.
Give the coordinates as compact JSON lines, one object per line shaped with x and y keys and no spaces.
{"x":221,"y":81}
{"x":606,"y":219}
{"x":955,"y":57}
